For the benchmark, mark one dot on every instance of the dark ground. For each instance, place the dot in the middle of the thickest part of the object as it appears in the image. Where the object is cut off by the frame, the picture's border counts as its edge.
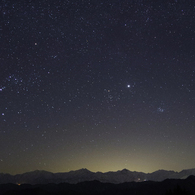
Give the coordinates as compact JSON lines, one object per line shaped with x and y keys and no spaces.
{"x":166,"y":187}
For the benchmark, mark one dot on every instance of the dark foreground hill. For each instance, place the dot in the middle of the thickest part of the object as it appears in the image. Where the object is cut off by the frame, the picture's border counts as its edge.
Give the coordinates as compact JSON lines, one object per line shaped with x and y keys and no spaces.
{"x":166,"y":187}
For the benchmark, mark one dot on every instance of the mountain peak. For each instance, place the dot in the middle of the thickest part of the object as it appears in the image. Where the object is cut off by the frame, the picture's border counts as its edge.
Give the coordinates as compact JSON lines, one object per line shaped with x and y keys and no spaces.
{"x":83,"y":170}
{"x":125,"y":171}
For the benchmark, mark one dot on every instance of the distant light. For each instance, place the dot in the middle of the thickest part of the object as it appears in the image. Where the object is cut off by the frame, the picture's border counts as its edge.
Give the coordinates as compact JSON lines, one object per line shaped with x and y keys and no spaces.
{"x":128,"y":86}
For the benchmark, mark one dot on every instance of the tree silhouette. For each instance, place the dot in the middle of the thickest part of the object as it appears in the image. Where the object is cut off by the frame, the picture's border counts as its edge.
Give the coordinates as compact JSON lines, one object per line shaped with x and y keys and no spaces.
{"x":178,"y":191}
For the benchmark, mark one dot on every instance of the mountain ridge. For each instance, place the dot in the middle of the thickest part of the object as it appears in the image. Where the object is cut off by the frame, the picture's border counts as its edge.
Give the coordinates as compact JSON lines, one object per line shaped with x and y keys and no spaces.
{"x":82,"y":175}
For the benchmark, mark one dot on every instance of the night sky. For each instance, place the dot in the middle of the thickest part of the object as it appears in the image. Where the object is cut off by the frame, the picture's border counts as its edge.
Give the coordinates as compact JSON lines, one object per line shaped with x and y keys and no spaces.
{"x":97,"y":84}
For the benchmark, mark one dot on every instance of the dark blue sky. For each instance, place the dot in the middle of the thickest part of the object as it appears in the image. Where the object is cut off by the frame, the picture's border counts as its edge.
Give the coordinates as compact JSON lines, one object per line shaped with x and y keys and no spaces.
{"x":102,"y":85}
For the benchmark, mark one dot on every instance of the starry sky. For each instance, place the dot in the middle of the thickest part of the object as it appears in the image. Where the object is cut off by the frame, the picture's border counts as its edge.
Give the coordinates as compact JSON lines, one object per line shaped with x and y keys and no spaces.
{"x":97,"y":84}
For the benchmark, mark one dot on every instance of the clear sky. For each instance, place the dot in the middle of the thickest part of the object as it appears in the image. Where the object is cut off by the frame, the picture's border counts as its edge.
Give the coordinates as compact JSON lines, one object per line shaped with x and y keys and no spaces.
{"x":103,"y":85}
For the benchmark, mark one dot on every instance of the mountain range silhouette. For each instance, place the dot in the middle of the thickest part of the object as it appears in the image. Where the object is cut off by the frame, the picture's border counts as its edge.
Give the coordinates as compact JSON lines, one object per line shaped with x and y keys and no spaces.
{"x":73,"y":177}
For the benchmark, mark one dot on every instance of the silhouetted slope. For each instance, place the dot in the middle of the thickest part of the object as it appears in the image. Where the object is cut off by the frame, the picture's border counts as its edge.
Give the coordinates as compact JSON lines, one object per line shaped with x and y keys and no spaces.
{"x":166,"y":187}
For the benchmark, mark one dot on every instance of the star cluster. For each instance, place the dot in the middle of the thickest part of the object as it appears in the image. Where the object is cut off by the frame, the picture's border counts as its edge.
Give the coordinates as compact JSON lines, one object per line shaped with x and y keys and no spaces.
{"x":103,"y":85}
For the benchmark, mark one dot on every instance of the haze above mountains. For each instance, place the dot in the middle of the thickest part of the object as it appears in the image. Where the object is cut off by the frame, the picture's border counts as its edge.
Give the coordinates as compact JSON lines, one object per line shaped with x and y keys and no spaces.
{"x":73,"y":177}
